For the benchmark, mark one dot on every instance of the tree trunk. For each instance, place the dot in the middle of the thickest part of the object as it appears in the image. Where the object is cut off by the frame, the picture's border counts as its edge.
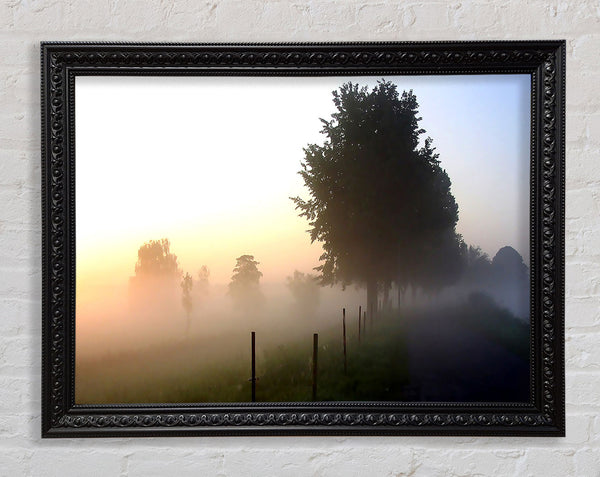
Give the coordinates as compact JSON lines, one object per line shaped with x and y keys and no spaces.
{"x":372,"y":297}
{"x":386,"y":296}
{"x":399,"y":291}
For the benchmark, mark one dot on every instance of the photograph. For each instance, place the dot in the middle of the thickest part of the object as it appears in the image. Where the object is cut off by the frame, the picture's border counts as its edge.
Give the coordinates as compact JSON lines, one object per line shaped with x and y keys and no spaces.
{"x":292,"y":239}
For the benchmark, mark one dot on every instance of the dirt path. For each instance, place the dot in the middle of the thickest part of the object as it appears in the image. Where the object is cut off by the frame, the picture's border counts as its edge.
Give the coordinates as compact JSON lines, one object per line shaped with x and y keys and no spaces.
{"x":451,"y":363}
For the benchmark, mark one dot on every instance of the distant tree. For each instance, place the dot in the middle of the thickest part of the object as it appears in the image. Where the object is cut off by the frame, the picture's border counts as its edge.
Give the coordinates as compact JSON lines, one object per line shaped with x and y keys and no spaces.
{"x":186,"y":299}
{"x":378,"y":202}
{"x":245,"y":287}
{"x":444,"y":262}
{"x":156,"y":260}
{"x":478,"y":266}
{"x":157,"y":276}
{"x":202,"y":282}
{"x":509,"y":263}
{"x":511,"y":281}
{"x":305,"y":290}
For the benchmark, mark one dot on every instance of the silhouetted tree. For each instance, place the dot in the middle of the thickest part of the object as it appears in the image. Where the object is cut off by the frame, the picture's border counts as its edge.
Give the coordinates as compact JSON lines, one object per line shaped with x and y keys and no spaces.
{"x":377,"y":198}
{"x":202,"y":283}
{"x":444,"y":262}
{"x":156,"y":260}
{"x":306,"y":291}
{"x":511,"y":281}
{"x":186,"y":299}
{"x":244,"y":287}
{"x":157,"y":276}
{"x":478,"y":266}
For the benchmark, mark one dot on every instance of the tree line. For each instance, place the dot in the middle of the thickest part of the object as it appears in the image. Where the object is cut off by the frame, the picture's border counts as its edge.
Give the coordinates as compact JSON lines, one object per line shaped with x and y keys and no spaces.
{"x":379,"y":201}
{"x":156,"y":262}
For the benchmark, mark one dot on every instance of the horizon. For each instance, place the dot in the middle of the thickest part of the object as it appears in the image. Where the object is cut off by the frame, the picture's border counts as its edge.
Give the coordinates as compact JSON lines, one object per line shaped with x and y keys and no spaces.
{"x":190,"y":196}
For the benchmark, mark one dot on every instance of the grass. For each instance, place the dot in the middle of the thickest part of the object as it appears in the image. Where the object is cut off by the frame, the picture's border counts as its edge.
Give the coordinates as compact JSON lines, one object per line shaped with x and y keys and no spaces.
{"x":377,"y":367}
{"x":218,"y":369}
{"x":208,"y":371}
{"x":497,"y":324}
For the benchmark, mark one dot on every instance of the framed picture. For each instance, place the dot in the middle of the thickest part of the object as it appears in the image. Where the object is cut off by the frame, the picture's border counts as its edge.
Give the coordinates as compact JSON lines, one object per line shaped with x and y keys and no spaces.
{"x":350,"y":238}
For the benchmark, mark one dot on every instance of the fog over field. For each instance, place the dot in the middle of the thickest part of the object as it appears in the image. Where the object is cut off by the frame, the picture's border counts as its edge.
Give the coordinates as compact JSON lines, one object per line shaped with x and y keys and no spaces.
{"x":269,"y":205}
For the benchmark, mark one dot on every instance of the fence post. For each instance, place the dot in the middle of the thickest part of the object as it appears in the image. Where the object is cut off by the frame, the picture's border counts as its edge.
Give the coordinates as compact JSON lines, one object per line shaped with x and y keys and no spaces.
{"x":344,"y":331}
{"x":359,"y":315}
{"x":253,"y":367}
{"x":314,"y":370}
{"x":359,"y":325}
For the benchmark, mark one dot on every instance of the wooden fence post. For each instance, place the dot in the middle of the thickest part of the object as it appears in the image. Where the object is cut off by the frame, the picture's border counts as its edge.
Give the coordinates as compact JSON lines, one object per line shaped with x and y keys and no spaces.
{"x":359,"y":325}
{"x":253,"y":367}
{"x":344,"y":331}
{"x":314,"y":367}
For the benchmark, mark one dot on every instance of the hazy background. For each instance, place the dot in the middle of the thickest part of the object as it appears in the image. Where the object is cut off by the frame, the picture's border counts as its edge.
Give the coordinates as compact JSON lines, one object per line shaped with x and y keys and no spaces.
{"x":210,"y":163}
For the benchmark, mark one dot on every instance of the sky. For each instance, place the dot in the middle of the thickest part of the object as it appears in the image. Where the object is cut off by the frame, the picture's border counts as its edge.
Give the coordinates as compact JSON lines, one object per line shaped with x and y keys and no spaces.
{"x":210,"y":163}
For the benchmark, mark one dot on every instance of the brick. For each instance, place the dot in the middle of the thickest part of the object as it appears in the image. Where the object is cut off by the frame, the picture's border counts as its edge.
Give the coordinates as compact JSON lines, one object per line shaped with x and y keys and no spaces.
{"x":90,"y":14}
{"x":583,"y":278}
{"x":20,"y":317}
{"x":324,"y":15}
{"x":429,"y":17}
{"x":587,"y":461}
{"x":584,"y":52}
{"x":58,"y":462}
{"x":468,"y":463}
{"x":20,"y":205}
{"x":15,"y":462}
{"x":476,"y":18}
{"x":20,"y":248}
{"x":582,"y":389}
{"x":547,"y":462}
{"x":379,"y":17}
{"x":583,"y":202}
{"x":582,"y":311}
{"x":16,"y":394}
{"x":19,"y":355}
{"x":43,"y":15}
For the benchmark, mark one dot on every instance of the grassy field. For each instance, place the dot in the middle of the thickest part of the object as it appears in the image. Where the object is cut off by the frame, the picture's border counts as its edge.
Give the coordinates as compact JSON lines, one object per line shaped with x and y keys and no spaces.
{"x":218,"y":369}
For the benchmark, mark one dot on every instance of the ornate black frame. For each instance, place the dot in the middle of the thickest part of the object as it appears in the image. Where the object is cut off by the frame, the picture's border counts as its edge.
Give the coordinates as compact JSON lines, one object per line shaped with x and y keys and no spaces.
{"x":543,"y":415}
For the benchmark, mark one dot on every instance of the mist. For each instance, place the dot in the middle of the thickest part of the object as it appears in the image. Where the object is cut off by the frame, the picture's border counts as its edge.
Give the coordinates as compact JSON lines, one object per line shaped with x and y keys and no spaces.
{"x":317,"y":189}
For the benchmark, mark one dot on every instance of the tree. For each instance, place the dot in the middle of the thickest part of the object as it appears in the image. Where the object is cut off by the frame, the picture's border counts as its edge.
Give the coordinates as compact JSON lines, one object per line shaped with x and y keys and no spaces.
{"x":305,"y":289}
{"x":511,"y":280}
{"x":444,"y":262}
{"x":156,"y":260}
{"x":244,"y":287}
{"x":478,"y":267}
{"x":378,"y":202}
{"x":202,"y":283}
{"x":186,"y":299}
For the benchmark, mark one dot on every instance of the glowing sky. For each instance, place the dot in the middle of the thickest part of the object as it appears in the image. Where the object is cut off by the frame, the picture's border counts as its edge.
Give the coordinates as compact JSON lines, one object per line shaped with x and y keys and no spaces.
{"x":210,"y":163}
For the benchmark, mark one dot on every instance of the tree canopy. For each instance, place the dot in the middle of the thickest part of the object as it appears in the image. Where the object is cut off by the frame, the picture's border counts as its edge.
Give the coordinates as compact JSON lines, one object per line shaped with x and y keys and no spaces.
{"x":379,"y":200}
{"x":305,"y":290}
{"x":244,"y":287}
{"x":186,"y":297}
{"x":156,"y":260}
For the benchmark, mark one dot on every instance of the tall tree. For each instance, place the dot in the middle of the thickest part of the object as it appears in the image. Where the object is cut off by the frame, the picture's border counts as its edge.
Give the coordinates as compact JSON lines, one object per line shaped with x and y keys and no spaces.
{"x":376,"y":196}
{"x":156,"y":260}
{"x":244,"y":287}
{"x":202,"y":283}
{"x":157,"y":276}
{"x":186,"y":298}
{"x":306,"y":291}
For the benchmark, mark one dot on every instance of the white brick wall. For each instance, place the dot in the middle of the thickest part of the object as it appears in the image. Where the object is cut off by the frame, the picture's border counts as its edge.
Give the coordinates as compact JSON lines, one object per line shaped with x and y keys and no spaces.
{"x":24,"y":23}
